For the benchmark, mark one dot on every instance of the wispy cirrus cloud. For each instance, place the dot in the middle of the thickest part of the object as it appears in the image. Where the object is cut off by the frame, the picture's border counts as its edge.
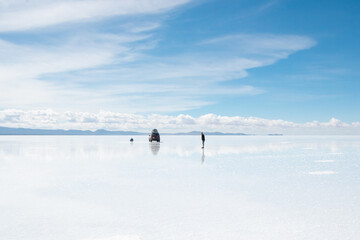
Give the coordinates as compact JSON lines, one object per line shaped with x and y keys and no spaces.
{"x":19,"y":15}
{"x":272,"y":46}
{"x":96,"y":69}
{"x":23,"y":66}
{"x":172,"y":81}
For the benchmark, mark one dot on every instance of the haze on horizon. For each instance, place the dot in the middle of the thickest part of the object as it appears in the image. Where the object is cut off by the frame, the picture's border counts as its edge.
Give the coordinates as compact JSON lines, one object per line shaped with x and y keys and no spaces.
{"x":259,"y":66}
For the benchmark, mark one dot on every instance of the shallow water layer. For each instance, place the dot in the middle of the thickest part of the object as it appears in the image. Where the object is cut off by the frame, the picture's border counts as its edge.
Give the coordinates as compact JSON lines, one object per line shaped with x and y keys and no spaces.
{"x":238,"y":187}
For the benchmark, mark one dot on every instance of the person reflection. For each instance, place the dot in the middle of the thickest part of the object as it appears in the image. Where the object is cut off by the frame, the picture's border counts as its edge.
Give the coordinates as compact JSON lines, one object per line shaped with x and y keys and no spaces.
{"x":202,"y":156}
{"x":154,"y":147}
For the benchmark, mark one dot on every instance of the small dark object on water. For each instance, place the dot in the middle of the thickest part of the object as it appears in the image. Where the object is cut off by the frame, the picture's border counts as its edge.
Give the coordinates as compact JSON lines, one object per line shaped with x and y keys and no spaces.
{"x":131,"y":139}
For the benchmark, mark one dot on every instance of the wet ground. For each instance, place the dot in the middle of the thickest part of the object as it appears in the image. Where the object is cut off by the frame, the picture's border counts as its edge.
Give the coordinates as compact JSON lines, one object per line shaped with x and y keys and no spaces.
{"x":238,"y":187}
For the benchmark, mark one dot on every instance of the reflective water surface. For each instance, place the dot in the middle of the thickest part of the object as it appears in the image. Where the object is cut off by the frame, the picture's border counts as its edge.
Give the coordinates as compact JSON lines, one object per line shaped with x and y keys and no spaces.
{"x":238,"y":187}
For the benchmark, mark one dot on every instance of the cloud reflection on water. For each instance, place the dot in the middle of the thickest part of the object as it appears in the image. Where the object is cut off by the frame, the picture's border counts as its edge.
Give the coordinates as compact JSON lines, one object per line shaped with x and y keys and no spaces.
{"x":171,"y":145}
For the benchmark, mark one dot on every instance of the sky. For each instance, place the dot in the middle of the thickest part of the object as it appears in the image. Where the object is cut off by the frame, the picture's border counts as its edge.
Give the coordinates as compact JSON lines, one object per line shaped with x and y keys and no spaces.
{"x":284,"y":66}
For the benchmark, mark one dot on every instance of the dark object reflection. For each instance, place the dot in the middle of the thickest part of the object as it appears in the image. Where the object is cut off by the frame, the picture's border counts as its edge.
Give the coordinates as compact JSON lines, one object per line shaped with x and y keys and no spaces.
{"x":154,"y":147}
{"x":202,"y":156}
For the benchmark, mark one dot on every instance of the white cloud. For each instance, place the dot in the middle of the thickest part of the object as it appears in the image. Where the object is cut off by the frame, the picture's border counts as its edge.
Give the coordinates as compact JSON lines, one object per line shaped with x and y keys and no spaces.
{"x":266,"y":45}
{"x":173,"y":83}
{"x":50,"y":119}
{"x":17,"y":15}
{"x":142,"y":27}
{"x":29,"y":119}
{"x":23,"y":66}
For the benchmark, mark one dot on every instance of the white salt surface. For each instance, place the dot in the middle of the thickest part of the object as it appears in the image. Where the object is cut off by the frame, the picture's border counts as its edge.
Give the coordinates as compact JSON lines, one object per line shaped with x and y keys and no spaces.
{"x":238,"y":187}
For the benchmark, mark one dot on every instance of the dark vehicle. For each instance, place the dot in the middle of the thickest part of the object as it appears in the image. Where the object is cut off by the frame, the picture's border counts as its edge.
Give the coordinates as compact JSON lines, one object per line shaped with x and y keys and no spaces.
{"x":154,"y":136}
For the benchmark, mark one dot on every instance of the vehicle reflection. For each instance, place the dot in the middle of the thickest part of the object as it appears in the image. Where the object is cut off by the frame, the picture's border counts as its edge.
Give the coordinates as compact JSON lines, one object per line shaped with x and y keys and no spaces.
{"x":154,"y":147}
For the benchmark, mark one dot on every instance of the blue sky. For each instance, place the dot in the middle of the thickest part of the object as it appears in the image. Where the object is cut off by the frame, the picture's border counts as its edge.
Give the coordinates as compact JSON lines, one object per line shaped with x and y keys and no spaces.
{"x":317,"y":83}
{"x":286,"y":60}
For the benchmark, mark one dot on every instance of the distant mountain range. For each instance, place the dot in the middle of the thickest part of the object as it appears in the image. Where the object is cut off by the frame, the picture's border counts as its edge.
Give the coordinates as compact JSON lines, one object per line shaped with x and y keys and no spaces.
{"x":28,"y":131}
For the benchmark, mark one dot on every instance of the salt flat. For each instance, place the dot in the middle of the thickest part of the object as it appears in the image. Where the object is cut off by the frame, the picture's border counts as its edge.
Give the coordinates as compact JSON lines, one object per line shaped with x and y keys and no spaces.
{"x":238,"y":187}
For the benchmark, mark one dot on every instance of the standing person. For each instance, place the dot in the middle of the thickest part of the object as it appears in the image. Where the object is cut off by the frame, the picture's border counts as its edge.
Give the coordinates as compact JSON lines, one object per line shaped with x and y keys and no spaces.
{"x":202,"y":139}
